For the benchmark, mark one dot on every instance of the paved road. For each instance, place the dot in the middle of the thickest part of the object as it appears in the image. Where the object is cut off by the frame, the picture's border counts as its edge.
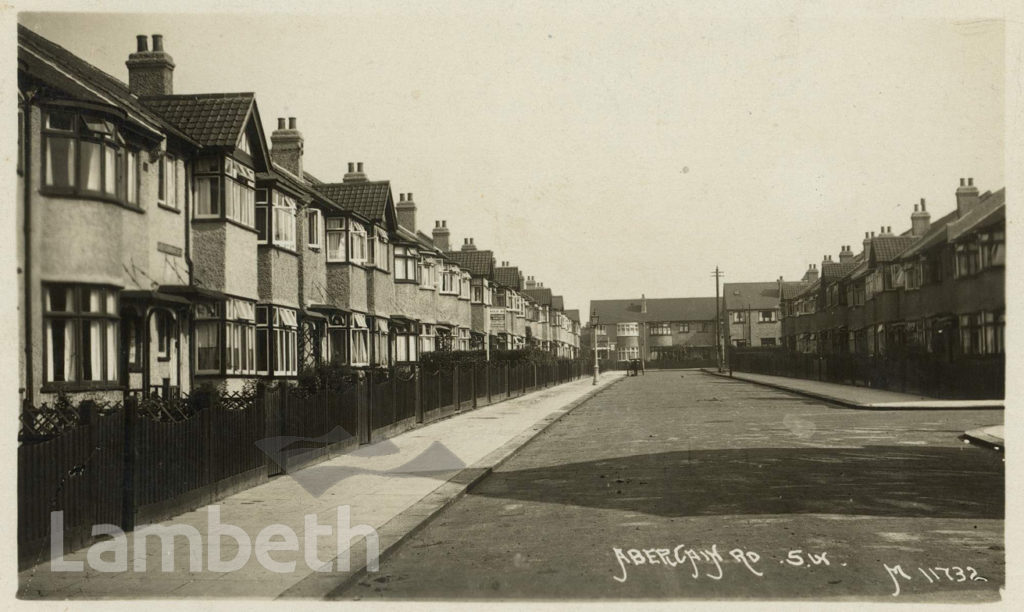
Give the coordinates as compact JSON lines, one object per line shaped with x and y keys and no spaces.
{"x":690,"y":486}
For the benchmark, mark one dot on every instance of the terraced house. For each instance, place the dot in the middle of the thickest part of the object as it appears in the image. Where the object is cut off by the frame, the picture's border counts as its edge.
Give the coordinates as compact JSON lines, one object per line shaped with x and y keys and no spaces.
{"x":164,"y":243}
{"x":929,"y":301}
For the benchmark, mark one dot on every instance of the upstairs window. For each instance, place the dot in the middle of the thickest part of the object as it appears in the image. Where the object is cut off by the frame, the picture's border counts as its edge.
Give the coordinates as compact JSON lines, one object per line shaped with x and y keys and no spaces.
{"x":766,"y":316}
{"x":627,"y":329}
{"x":335,"y":239}
{"x":239,"y":192}
{"x":739,"y":316}
{"x":314,"y":223}
{"x":660,"y":329}
{"x":283,"y":220}
{"x":406,"y":263}
{"x":86,"y":156}
{"x":357,"y":243}
{"x":169,"y":182}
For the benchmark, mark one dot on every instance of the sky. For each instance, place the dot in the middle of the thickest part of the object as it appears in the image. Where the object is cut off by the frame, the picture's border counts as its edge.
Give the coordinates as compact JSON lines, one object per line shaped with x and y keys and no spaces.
{"x":615,"y":149}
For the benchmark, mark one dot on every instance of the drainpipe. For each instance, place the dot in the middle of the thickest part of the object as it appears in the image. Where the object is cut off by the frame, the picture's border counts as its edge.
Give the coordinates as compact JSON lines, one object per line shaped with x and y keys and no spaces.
{"x":27,"y":240}
{"x":188,"y":264}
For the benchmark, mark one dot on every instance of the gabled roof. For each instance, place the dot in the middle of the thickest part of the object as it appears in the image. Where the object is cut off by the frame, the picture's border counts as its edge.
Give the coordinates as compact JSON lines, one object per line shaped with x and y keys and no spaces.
{"x":573,"y":315}
{"x":557,"y":302}
{"x":887,"y":248}
{"x":372,"y":199}
{"x":658,"y":309}
{"x":541,"y":295}
{"x":424,"y":240}
{"x":791,"y":289}
{"x":213,"y":120}
{"x":48,"y":62}
{"x":832,"y":270}
{"x":989,"y":210}
{"x":477,"y":263}
{"x":751,"y":295}
{"x":509,"y":277}
{"x":936,"y":234}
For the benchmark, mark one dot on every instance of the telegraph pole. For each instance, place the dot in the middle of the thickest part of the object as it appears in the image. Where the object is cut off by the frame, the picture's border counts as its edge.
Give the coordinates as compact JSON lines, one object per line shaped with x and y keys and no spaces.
{"x":718,"y":343}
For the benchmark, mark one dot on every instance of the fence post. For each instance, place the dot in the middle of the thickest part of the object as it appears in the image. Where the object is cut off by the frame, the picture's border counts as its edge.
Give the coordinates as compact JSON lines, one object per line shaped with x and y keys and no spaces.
{"x":418,"y":390}
{"x":487,"y":380}
{"x":455,"y":387}
{"x":508,"y":388}
{"x":129,"y":487}
{"x":472,"y":382}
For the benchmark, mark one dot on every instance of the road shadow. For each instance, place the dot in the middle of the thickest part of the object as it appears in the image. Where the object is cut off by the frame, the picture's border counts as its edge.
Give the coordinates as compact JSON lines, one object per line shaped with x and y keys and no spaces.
{"x":890,"y":481}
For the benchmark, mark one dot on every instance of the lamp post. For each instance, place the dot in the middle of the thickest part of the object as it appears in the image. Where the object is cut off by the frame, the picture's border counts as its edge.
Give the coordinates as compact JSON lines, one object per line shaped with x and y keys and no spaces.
{"x":593,"y":323}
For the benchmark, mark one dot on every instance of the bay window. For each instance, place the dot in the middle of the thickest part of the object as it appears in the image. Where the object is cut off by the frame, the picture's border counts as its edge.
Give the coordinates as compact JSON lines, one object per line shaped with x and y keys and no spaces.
{"x":464,"y":285}
{"x":85,"y":155}
{"x":262,"y":220}
{"x":80,"y":334}
{"x":229,"y":196}
{"x":207,"y":197}
{"x":449,"y":279}
{"x":276,"y":341}
{"x":336,"y":239}
{"x":478,"y":294}
{"x":383,"y":252}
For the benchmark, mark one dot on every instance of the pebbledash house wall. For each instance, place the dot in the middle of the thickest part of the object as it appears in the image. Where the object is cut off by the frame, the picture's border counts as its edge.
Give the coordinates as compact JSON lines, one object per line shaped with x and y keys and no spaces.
{"x":89,"y":241}
{"x":312,"y":264}
{"x":346,"y":286}
{"x":278,"y":276}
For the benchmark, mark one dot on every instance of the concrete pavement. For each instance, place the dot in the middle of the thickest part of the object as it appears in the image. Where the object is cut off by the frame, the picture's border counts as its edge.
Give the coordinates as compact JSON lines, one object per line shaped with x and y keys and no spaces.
{"x":393,"y":486}
{"x":859,"y":397}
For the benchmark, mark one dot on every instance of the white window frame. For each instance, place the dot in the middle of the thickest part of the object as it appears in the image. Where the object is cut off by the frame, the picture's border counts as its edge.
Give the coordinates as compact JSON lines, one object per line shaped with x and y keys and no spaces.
{"x":338,"y":229}
{"x":314,"y":228}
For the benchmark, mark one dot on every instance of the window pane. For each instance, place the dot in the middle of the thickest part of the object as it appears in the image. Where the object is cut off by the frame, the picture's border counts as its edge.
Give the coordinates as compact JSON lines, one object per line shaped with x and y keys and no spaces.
{"x":110,"y":170}
{"x":207,"y":346}
{"x":60,"y":299}
{"x":92,"y":350}
{"x":89,"y":165}
{"x":57,"y":120}
{"x":60,"y":162}
{"x":132,"y":185}
{"x":60,"y":353}
{"x":111,"y":355}
{"x":261,"y":223}
{"x":261,"y":350}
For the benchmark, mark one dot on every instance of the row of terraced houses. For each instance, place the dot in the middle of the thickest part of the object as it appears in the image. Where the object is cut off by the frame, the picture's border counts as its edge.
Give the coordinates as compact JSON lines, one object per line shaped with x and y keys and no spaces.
{"x":166,"y":242}
{"x":923,"y":309}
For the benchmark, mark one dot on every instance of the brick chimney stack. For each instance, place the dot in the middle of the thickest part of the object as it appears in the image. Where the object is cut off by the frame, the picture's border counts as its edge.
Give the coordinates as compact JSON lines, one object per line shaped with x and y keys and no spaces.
{"x":845,"y":254}
{"x":286,"y":146}
{"x":150,"y":73}
{"x":441,"y":235}
{"x":468,"y":245}
{"x":920,"y":220}
{"x":354,"y":174}
{"x":966,"y":197}
{"x":406,"y":211}
{"x":811,"y":274}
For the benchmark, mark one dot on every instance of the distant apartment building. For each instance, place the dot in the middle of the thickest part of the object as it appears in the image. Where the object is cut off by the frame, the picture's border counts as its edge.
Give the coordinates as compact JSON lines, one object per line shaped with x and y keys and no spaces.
{"x":650,"y":328}
{"x":753,"y":313}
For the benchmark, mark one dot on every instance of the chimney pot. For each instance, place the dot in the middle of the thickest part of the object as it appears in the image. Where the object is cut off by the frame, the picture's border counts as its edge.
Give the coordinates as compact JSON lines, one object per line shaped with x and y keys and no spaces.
{"x":142,"y":43}
{"x":471,"y":241}
{"x":888,"y":229}
{"x":158,"y":42}
{"x":359,"y":166}
{"x":401,"y":197}
{"x":410,"y":196}
{"x":922,"y":205}
{"x":963,"y":183}
{"x":351,"y":167}
{"x":915,"y":207}
{"x":444,"y":223}
{"x":291,"y":123}
{"x":866,"y":235}
{"x":872,"y":234}
{"x":970,"y":182}
{"x":280,"y":123}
